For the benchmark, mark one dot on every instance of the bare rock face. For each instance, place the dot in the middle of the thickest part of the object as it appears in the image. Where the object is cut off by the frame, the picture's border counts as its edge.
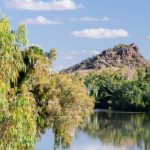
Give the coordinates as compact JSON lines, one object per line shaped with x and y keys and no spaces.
{"x":119,"y":56}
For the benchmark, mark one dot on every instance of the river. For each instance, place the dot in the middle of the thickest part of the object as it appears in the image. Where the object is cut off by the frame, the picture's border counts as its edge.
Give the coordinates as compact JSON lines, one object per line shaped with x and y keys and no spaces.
{"x":108,"y":130}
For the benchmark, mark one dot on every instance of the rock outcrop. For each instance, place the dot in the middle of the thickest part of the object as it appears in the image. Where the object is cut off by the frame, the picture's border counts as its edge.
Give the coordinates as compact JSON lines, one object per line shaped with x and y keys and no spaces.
{"x":119,"y":56}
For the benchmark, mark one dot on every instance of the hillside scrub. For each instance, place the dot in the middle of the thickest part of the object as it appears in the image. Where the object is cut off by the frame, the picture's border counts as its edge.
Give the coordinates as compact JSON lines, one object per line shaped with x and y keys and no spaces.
{"x":32,"y":98}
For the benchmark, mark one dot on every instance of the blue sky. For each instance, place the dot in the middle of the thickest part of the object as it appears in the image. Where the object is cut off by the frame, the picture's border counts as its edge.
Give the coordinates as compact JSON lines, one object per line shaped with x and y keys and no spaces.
{"x":81,"y":28}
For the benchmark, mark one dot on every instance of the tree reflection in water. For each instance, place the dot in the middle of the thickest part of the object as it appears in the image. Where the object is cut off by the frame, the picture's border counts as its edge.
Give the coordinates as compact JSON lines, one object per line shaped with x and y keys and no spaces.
{"x":120,"y":129}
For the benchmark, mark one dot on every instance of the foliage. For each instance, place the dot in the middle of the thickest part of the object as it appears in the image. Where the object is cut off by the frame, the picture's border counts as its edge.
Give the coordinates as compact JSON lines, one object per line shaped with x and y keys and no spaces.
{"x":33,"y":98}
{"x":112,"y":89}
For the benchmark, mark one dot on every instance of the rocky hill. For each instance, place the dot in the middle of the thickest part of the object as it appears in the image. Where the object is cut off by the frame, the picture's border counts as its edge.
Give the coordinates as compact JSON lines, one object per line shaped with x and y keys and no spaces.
{"x":119,"y":56}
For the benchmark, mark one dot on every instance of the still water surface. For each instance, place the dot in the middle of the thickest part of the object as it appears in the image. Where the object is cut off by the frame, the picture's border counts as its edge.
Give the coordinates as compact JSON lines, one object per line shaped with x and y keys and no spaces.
{"x":107,"y":130}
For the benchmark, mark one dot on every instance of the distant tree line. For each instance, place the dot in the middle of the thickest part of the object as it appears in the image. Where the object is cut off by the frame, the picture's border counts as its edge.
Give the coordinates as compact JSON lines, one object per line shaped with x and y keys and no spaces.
{"x":113,"y":89}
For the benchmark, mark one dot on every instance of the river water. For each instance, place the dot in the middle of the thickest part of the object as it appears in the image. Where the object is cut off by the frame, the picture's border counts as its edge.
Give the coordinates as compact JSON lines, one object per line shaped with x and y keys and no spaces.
{"x":108,"y":130}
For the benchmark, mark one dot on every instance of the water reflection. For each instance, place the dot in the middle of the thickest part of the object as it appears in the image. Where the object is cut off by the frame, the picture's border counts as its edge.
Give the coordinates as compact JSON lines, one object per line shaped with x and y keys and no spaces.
{"x":113,"y":131}
{"x":120,"y":129}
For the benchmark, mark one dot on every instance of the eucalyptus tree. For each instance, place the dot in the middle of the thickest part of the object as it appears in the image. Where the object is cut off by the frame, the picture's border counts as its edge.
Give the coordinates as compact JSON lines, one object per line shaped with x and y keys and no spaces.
{"x":33,"y":98}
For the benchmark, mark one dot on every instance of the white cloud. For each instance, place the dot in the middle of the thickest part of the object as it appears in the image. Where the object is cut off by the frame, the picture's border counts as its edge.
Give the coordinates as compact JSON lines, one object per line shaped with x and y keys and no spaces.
{"x":105,"y":19}
{"x":100,"y":33}
{"x":84,"y":19}
{"x":89,"y":19}
{"x":41,"y":5}
{"x":148,"y":36}
{"x":94,"y":52}
{"x":40,"y":20}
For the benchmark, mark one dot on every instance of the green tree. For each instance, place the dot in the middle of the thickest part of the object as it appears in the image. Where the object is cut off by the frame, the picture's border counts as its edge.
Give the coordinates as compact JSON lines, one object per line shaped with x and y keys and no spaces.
{"x":112,"y":89}
{"x":33,"y":98}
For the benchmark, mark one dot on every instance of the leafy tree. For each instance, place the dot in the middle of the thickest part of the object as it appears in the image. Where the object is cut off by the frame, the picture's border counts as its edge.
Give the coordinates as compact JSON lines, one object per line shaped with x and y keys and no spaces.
{"x":33,"y":98}
{"x":103,"y":85}
{"x":112,"y":89}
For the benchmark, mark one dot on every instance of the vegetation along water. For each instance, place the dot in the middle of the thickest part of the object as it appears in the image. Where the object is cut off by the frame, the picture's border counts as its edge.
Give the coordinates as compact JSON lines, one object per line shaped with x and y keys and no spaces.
{"x":33,"y":98}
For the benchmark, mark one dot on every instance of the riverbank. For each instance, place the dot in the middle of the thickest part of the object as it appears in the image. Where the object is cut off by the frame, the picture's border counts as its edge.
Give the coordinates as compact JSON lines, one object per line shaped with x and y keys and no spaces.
{"x":99,"y":107}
